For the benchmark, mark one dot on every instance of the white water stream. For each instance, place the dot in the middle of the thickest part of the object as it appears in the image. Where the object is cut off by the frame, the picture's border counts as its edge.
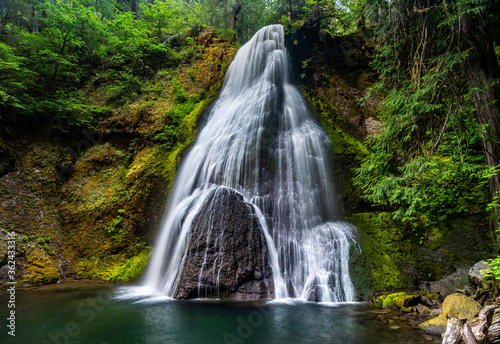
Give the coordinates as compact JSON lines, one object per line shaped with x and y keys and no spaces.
{"x":261,"y":140}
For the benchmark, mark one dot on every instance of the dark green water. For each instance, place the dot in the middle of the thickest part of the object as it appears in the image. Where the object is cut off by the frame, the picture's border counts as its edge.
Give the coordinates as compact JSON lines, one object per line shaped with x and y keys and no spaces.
{"x":87,"y":313}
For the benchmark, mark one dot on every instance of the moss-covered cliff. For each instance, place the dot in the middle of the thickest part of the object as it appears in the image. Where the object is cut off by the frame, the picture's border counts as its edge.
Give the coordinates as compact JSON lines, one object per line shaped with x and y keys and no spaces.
{"x":88,"y":206}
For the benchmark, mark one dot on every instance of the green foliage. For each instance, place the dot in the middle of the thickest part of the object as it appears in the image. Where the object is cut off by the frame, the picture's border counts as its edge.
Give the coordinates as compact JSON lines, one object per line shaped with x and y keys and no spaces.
{"x":178,"y":92}
{"x":133,"y":267}
{"x":495,"y":268}
{"x":336,"y":17}
{"x":428,"y":156}
{"x":167,"y":136}
{"x":114,"y":225}
{"x":170,"y":134}
{"x":14,"y":80}
{"x":126,"y":85}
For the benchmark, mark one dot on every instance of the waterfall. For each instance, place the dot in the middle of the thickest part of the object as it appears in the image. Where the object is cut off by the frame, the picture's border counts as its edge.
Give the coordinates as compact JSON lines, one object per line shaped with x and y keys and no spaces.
{"x":261,"y":141}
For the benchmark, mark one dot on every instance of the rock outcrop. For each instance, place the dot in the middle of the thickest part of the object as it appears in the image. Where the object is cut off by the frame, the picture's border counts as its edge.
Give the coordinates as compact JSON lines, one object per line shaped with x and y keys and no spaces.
{"x":227,"y":255}
{"x":475,"y":272}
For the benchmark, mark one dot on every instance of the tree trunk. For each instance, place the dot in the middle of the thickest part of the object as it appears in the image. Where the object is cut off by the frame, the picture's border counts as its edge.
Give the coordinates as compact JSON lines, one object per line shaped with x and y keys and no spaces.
{"x":135,"y":9}
{"x":289,"y":9}
{"x":35,"y":20}
{"x":482,"y":70}
{"x":1,"y":15}
{"x":234,"y":18}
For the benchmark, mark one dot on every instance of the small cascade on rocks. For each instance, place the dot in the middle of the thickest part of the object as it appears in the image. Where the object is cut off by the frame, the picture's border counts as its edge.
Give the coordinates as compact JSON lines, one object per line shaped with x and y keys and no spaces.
{"x":253,"y":213}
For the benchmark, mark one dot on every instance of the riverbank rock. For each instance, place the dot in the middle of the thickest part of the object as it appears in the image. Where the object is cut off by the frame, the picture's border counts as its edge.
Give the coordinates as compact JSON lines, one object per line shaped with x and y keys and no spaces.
{"x":454,"y":306}
{"x":475,"y":272}
{"x":460,"y":306}
{"x":451,"y":283}
{"x":436,"y":326}
{"x":227,"y":255}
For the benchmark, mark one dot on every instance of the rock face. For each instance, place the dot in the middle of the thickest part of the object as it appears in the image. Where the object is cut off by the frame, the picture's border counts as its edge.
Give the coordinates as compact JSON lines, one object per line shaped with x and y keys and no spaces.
{"x":227,"y":255}
{"x":450,"y":283}
{"x":475,"y":272}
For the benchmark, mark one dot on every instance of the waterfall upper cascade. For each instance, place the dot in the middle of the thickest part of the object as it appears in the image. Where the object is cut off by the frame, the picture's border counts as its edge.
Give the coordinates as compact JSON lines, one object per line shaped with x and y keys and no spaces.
{"x":262,"y":157}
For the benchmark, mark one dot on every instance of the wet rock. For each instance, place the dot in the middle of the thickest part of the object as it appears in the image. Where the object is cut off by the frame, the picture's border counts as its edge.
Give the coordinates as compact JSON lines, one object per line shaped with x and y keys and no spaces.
{"x":436,"y":326}
{"x":475,"y":272}
{"x":227,"y":255}
{"x":40,"y":267}
{"x":436,"y":311}
{"x":449,"y":284}
{"x":423,"y":310}
{"x":460,"y":306}
{"x":406,"y":300}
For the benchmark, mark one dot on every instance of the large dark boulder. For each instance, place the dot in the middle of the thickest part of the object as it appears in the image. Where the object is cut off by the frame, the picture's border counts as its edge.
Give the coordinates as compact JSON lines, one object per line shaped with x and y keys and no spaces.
{"x":227,"y":255}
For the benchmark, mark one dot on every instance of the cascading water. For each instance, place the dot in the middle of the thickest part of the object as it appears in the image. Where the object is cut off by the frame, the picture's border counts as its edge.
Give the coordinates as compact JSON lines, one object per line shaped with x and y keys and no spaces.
{"x":261,"y":141}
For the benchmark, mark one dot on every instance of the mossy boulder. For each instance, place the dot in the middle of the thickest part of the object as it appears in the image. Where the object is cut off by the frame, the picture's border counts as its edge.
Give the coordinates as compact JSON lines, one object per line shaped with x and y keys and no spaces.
{"x":460,"y":306}
{"x":406,"y":301}
{"x":387,"y":300}
{"x":436,"y":326}
{"x":40,"y":267}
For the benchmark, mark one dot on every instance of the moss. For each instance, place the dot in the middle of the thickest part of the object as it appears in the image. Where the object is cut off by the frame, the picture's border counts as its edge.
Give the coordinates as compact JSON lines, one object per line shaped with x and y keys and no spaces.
{"x":132,"y":268}
{"x":426,"y":311}
{"x":397,"y":256}
{"x":460,"y":306}
{"x":388,"y":300}
{"x":407,"y":301}
{"x":436,"y":326}
{"x":41,"y":268}
{"x":384,"y":248}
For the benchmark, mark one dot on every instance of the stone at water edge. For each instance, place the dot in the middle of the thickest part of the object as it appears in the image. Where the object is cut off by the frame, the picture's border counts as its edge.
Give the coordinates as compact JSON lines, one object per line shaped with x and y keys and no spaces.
{"x":454,"y":306}
{"x":475,"y":272}
{"x":423,"y":310}
{"x":436,"y":326}
{"x":460,"y":306}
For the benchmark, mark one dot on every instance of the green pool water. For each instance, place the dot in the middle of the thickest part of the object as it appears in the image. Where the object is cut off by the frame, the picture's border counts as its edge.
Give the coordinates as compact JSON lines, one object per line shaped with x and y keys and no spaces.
{"x":89,"y":313}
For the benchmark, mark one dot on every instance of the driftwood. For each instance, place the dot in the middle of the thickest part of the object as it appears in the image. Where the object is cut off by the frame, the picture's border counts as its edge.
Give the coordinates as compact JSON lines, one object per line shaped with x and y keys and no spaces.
{"x":453,"y":332}
{"x":468,"y":336}
{"x":494,"y":330}
{"x":481,"y":324}
{"x":480,"y":330}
